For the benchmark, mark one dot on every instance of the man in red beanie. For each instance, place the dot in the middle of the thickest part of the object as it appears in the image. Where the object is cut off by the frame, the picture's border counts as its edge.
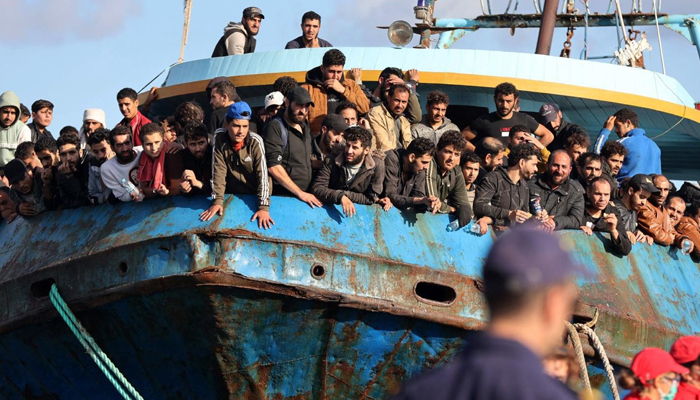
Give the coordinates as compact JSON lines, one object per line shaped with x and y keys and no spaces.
{"x":686,"y":351}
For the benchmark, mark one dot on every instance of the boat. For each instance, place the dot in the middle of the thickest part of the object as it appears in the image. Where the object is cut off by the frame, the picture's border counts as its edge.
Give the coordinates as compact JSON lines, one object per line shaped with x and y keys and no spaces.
{"x":323,"y":306}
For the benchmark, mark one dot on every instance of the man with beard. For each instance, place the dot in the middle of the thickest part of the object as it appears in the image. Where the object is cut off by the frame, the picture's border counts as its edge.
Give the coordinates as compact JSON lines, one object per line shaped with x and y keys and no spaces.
{"x":504,"y":195}
{"x":133,"y":119}
{"x":27,"y":189}
{"x":498,"y":123}
{"x":329,"y":143}
{"x":327,"y":87}
{"x":601,"y":216}
{"x":25,"y":152}
{"x":391,"y":129}
{"x":560,"y":197}
{"x":590,"y":166}
{"x":42,"y":115}
{"x":445,"y":181}
{"x":553,"y":119}
{"x":491,"y":152}
{"x":520,"y":134}
{"x":47,"y":152}
{"x":101,"y":150}
{"x":73,"y":171}
{"x":576,"y":144}
{"x":470,"y":164}
{"x":613,"y":155}
{"x":654,"y":219}
{"x":93,"y":119}
{"x":197,"y":161}
{"x":240,"y":166}
{"x":239,"y":38}
{"x":635,"y":193}
{"x":689,"y":225}
{"x":434,"y":123}
{"x":222,"y":95}
{"x":391,"y":77}
{"x":675,"y":207}
{"x":12,"y":130}
{"x":355,"y":176}
{"x":288,"y":148}
{"x":404,"y":182}
{"x":123,"y":167}
{"x":310,"y":26}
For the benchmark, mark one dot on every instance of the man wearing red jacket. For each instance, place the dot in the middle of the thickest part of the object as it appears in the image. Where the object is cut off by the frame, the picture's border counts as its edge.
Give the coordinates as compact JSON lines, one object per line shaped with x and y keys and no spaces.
{"x":129,"y":107}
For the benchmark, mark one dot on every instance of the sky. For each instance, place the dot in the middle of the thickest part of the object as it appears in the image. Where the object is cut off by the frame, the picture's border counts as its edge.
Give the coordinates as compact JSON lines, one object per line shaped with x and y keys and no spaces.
{"x":79,"y":53}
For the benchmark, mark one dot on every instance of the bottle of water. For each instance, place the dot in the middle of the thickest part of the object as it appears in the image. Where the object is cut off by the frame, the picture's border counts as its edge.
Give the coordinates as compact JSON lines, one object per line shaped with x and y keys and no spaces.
{"x":452,"y":226}
{"x":473,"y":228}
{"x":130,"y":188}
{"x":685,"y":246}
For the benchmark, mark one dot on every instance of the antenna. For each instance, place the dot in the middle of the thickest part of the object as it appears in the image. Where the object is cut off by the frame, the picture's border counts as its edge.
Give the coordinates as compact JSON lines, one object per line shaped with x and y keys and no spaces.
{"x":185,"y":30}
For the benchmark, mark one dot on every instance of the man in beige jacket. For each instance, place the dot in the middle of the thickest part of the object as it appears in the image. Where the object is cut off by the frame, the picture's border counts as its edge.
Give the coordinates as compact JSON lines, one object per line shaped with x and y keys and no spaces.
{"x":391,"y":129}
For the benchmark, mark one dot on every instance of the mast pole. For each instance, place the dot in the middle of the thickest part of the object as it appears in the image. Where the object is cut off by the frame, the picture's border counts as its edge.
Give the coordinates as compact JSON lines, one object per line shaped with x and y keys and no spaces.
{"x":549,"y":19}
{"x":185,"y":30}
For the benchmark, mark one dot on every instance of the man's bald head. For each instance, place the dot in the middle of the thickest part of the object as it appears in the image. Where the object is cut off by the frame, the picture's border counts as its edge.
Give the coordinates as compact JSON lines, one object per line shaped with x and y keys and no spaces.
{"x":558,"y":167}
{"x":664,"y":185}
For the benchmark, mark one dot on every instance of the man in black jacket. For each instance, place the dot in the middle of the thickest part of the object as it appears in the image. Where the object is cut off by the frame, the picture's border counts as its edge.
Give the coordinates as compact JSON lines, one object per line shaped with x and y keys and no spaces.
{"x":601,"y":216}
{"x":560,"y":197}
{"x":73,"y":172}
{"x":239,"y":38}
{"x":404,"y":182}
{"x":354,"y":176}
{"x":504,"y":195}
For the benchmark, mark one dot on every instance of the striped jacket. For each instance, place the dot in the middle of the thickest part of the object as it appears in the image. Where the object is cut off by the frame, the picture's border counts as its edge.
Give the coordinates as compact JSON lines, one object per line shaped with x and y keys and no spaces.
{"x":450,"y":188}
{"x":243,"y":171}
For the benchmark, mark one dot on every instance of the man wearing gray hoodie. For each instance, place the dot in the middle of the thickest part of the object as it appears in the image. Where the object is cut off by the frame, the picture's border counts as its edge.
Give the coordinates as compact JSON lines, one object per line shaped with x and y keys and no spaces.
{"x":12,"y":130}
{"x":239,"y":37}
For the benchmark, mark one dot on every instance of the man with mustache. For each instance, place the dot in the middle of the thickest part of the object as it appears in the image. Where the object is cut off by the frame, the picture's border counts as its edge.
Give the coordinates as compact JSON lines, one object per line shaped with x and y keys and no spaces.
{"x":329,"y":143}
{"x":444,"y":179}
{"x":288,"y":148}
{"x":93,"y":119}
{"x":520,"y":134}
{"x":128,"y":101}
{"x":491,"y":153}
{"x":498,"y":123}
{"x":353,"y":177}
{"x":73,"y":171}
{"x":391,"y":128}
{"x":635,"y":193}
{"x":601,"y":216}
{"x":197,"y":161}
{"x":613,"y":155}
{"x":101,"y":150}
{"x":122,"y":167}
{"x":560,"y":197}
{"x":434,"y":123}
{"x":654,"y":219}
{"x":239,"y":37}
{"x":12,"y":130}
{"x":689,"y":225}
{"x":310,"y":26}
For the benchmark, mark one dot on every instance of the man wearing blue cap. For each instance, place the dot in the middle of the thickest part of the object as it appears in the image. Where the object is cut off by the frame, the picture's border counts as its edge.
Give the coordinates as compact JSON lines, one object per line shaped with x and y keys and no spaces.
{"x":240,"y":165}
{"x":530,"y":291}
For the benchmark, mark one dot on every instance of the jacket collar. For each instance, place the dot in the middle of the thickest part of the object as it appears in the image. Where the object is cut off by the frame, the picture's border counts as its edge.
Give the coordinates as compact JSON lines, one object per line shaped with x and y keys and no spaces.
{"x":562,"y":189}
{"x":636,"y":132}
{"x":368,"y":163}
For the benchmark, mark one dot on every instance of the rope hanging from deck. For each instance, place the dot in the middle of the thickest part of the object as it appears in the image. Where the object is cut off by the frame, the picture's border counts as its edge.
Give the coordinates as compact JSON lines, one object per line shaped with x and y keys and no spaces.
{"x":110,"y":371}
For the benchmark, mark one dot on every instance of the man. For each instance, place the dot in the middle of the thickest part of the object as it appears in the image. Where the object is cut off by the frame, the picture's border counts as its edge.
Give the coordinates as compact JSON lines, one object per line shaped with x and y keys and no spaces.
{"x":197,"y":161}
{"x":590,"y":166}
{"x":222,"y":96}
{"x":7,"y":206}
{"x":504,"y":195}
{"x":330,"y":142}
{"x":675,"y":206}
{"x":560,"y":197}
{"x":47,"y":152}
{"x":310,"y":26}
{"x":239,"y":38}
{"x":101,"y":149}
{"x":12,"y":130}
{"x":529,"y":291}
{"x":444,"y":179}
{"x":434,"y":122}
{"x":686,"y":352}
{"x":68,"y":129}
{"x":520,"y":134}
{"x":643,"y":155}
{"x":273,"y":105}
{"x":613,"y":155}
{"x":93,"y":119}
{"x":123,"y":167}
{"x":470,"y":164}
{"x":498,"y":123}
{"x":391,"y":128}
{"x":654,"y":219}
{"x":353,"y":177}
{"x":25,"y":152}
{"x":288,"y":148}
{"x":351,"y":115}
{"x":133,"y":119}
{"x":42,"y":115}
{"x":491,"y":152}
{"x":601,"y":216}
{"x":73,"y":172}
{"x":327,"y":87}
{"x":689,"y":226}
{"x":635,"y":194}
{"x":404,"y":183}
{"x":390,"y":77}
{"x":24,"y":114}
{"x":576,"y":144}
{"x":552,"y":118}
{"x":240,"y":166}
{"x":27,"y":189}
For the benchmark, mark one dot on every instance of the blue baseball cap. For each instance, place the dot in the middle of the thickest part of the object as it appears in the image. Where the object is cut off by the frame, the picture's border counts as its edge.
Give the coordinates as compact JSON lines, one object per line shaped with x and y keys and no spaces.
{"x":239,"y":110}
{"x":527,"y":259}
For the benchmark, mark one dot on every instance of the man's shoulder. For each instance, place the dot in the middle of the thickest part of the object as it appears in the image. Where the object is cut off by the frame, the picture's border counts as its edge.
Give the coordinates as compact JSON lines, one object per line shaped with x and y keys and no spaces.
{"x":295,"y":43}
{"x":575,"y":185}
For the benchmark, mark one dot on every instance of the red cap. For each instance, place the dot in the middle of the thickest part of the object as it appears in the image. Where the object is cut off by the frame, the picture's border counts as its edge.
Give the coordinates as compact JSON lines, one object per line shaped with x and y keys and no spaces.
{"x":686,"y":349}
{"x":652,"y":362}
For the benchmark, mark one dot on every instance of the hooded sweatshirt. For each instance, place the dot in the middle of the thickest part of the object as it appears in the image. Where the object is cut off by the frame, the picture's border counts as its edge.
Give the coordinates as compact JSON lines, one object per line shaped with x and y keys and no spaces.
{"x":11,"y":136}
{"x":234,"y":41}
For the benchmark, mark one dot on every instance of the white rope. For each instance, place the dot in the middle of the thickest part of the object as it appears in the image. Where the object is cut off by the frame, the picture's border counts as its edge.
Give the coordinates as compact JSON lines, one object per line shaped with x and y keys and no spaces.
{"x":578,"y":350}
{"x":603,"y":356}
{"x":658,"y":34}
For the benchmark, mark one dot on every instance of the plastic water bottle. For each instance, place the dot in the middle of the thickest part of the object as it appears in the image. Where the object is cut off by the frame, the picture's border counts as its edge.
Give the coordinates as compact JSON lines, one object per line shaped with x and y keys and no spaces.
{"x":452,"y":226}
{"x":473,"y":228}
{"x":685,"y":247}
{"x":536,"y":206}
{"x":130,"y":188}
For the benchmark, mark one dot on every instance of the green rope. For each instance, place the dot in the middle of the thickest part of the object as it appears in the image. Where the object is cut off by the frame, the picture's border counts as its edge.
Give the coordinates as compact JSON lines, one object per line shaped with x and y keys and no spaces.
{"x":110,"y":371}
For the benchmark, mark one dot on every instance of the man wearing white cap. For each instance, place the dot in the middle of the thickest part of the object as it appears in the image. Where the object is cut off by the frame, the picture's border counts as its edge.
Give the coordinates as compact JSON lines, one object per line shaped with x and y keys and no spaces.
{"x":93,"y":119}
{"x":273,"y":103}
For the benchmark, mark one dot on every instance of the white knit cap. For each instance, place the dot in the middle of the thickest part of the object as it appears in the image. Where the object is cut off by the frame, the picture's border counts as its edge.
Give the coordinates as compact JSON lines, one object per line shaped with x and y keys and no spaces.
{"x":95,"y":114}
{"x":274,"y":99}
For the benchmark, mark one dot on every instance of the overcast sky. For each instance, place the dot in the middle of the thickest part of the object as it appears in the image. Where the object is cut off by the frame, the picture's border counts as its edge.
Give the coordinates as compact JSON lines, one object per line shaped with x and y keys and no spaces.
{"x":79,"y":53}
